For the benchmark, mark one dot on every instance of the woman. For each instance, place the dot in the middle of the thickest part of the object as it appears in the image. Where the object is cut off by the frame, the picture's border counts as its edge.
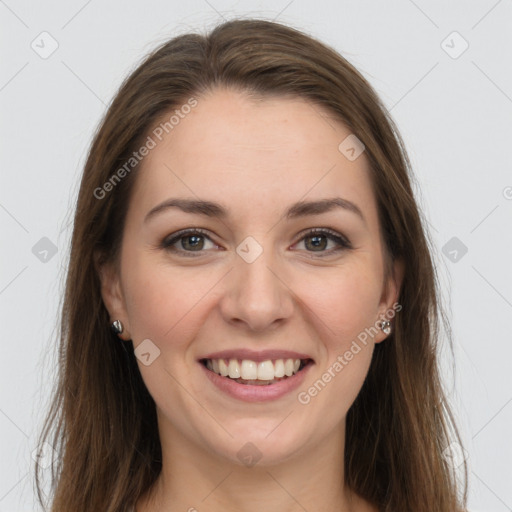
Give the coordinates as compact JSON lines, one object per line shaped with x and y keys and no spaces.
{"x":246,"y":228}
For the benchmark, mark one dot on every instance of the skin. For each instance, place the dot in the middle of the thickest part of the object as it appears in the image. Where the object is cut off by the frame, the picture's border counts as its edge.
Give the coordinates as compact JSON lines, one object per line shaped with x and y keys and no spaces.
{"x":256,"y":157}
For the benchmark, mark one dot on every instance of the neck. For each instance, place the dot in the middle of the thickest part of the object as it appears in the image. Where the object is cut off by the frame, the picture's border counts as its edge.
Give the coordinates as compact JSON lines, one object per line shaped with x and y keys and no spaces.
{"x":193,"y":478}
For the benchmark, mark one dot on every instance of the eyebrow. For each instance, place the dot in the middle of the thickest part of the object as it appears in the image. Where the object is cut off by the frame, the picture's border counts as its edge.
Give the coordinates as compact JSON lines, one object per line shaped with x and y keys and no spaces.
{"x":296,"y":210}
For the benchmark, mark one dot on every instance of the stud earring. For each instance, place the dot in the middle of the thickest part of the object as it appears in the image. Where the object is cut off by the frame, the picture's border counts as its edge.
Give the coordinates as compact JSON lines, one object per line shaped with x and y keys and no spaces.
{"x":117,"y":327}
{"x":385,"y":326}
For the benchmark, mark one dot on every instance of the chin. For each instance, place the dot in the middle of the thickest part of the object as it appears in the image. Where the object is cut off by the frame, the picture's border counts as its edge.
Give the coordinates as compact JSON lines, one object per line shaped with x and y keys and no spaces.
{"x":261,"y":449}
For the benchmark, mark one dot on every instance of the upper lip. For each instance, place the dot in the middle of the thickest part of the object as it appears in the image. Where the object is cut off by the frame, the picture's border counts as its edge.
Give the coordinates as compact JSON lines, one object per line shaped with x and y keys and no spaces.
{"x":257,"y":356}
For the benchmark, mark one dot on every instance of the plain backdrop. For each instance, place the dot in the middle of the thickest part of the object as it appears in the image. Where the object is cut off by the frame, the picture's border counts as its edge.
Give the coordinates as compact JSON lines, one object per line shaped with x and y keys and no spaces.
{"x":443,"y":69}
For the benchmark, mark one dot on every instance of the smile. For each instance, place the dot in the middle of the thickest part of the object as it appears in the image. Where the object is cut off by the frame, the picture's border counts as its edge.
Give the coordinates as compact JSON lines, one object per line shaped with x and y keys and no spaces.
{"x":250,"y":372}
{"x":264,"y":377}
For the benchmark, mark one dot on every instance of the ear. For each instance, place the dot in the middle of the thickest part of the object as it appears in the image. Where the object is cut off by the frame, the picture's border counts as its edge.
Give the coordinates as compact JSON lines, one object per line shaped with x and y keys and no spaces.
{"x":112,"y":294}
{"x":389,"y":306}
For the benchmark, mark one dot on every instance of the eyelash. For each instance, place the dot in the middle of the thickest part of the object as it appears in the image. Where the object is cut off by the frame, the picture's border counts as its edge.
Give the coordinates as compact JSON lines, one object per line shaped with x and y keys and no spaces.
{"x":343,"y":243}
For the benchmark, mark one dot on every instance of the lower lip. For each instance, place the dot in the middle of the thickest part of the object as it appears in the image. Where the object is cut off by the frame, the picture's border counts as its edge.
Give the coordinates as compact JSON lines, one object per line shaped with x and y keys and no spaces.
{"x":255,"y":393}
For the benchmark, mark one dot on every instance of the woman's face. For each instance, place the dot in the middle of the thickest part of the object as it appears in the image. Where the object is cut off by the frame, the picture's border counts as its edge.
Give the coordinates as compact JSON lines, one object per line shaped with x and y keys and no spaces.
{"x":254,"y":285}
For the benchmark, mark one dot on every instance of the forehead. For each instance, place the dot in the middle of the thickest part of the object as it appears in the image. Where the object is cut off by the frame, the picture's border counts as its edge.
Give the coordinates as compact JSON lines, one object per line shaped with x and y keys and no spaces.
{"x":251,"y":154}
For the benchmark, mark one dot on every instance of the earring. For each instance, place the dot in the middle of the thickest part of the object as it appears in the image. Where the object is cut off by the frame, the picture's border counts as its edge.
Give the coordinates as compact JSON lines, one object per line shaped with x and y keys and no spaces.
{"x":117,"y":327}
{"x":385,"y":326}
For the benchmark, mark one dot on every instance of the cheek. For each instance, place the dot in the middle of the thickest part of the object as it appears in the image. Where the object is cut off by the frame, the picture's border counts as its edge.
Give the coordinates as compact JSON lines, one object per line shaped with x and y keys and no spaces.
{"x":344,"y":301}
{"x":343,"y":309}
{"x":165,"y":304}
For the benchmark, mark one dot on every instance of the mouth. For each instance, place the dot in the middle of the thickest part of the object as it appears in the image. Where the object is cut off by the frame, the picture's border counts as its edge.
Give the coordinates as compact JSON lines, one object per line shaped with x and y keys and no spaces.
{"x":256,"y":373}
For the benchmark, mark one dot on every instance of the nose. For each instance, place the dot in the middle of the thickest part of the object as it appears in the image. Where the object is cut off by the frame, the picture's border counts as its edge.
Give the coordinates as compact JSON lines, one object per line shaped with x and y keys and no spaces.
{"x":257,"y":295}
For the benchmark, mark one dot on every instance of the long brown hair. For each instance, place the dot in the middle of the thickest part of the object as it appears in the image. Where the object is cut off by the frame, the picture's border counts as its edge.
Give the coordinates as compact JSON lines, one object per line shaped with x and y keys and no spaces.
{"x":102,"y":422}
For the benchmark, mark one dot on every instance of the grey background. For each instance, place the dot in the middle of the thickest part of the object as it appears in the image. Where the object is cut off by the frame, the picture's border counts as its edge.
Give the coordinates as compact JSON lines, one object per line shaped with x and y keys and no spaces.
{"x":453,"y":109}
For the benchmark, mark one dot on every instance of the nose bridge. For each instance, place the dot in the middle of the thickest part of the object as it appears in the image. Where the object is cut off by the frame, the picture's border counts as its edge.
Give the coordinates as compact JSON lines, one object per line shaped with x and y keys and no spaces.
{"x":256,"y":295}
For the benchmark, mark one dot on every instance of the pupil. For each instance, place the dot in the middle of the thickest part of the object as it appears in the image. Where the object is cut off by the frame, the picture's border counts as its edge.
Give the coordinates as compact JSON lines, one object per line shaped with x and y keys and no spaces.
{"x":317,"y":243}
{"x":195,"y":243}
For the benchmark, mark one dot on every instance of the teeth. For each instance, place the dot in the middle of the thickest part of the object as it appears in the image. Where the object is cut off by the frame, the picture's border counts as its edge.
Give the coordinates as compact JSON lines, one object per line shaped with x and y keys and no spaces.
{"x":252,"y":371}
{"x":288,"y":367}
{"x":223,"y":368}
{"x":279,"y":368}
{"x":233,"y":369}
{"x":266,"y":370}
{"x":249,"y":370}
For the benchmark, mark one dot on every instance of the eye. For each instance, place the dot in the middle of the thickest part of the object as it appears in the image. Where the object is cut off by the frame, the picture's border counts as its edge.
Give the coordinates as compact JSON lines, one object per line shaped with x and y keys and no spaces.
{"x":193,"y":240}
{"x":190,"y":240}
{"x":319,"y":239}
